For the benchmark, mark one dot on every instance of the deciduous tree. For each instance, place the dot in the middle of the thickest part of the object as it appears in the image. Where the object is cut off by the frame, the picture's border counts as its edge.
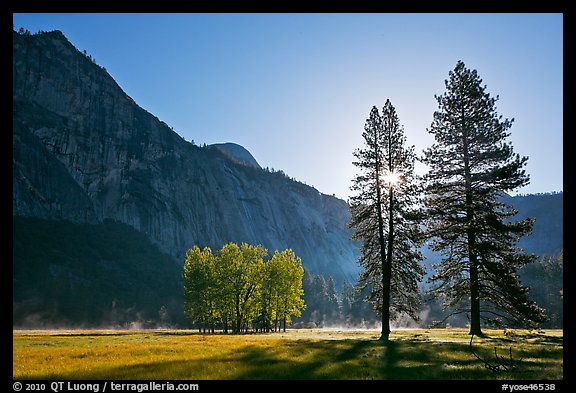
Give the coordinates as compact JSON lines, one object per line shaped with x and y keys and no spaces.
{"x":238,"y":288}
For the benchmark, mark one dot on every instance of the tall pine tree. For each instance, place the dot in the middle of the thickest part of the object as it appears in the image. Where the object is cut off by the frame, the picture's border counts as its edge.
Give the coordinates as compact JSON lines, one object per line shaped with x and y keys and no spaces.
{"x":471,"y":165}
{"x":384,"y":220}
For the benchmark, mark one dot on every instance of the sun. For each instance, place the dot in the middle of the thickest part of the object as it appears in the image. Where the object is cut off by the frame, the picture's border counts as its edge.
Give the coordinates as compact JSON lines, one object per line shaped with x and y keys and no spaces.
{"x":392,"y":178}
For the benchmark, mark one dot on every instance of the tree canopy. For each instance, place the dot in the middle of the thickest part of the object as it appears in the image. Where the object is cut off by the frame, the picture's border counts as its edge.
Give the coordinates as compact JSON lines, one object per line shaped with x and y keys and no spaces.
{"x":471,"y":166}
{"x":238,"y":289}
{"x":384,"y":217}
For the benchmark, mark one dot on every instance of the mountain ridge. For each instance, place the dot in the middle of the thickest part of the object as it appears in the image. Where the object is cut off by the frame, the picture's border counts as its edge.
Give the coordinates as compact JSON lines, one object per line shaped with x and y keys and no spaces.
{"x":75,"y":129}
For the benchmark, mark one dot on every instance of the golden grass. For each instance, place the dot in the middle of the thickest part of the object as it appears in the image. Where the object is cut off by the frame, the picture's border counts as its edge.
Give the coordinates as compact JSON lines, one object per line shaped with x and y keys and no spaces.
{"x":296,"y":354}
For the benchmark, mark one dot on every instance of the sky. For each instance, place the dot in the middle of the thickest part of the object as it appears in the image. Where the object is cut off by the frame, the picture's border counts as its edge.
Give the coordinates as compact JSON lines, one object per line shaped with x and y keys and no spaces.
{"x":295,"y":89}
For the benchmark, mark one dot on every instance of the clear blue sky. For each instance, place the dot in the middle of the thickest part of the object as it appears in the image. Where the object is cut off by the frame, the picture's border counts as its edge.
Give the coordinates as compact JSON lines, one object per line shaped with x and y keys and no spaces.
{"x":296,"y":89}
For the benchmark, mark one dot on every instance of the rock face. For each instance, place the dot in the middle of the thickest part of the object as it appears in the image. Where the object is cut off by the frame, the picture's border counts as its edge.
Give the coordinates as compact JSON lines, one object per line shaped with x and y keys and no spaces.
{"x":238,"y":153}
{"x":84,"y":151}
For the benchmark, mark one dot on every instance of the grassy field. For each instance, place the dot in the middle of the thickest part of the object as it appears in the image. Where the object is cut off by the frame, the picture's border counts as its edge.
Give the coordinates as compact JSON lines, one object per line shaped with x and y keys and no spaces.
{"x":440,"y":354}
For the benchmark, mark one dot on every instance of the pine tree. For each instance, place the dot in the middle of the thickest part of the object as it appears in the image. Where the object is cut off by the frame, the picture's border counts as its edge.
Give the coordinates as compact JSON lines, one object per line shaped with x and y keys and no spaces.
{"x":471,"y":165}
{"x":332,"y":306}
{"x":346,"y":301}
{"x":384,"y":219}
{"x":318,"y":299}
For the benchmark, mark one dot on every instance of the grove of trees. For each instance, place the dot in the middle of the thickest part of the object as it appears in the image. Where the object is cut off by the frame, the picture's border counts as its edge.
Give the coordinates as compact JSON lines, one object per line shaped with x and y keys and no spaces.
{"x":458,"y":208}
{"x":238,"y":289}
{"x":471,"y":167}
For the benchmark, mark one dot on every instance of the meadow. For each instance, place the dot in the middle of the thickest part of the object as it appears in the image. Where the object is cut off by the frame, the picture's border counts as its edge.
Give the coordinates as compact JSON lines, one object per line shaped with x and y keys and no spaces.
{"x":298,"y":354}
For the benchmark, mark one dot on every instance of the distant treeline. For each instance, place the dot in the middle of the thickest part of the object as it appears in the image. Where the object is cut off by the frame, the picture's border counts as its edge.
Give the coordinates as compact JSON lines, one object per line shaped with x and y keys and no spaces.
{"x":110,"y":275}
{"x":102,"y":275}
{"x":330,"y":306}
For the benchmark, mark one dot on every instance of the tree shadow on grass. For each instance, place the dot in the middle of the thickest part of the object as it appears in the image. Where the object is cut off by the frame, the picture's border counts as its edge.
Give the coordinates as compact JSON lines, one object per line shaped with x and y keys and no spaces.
{"x":294,"y":360}
{"x":318,"y":360}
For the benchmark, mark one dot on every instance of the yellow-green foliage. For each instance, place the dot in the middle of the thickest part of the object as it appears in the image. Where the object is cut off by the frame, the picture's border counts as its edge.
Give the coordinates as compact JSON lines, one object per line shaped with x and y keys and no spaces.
{"x":236,"y":286}
{"x":297,"y":354}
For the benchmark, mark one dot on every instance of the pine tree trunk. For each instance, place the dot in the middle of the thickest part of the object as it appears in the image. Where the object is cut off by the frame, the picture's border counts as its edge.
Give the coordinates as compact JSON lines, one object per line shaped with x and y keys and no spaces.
{"x":387,"y":272}
{"x":385,"y":303}
{"x":475,"y":328}
{"x":385,"y":269}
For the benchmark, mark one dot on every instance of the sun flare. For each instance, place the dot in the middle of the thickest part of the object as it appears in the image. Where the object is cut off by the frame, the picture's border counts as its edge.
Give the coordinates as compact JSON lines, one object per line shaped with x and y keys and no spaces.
{"x":392,"y":178}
